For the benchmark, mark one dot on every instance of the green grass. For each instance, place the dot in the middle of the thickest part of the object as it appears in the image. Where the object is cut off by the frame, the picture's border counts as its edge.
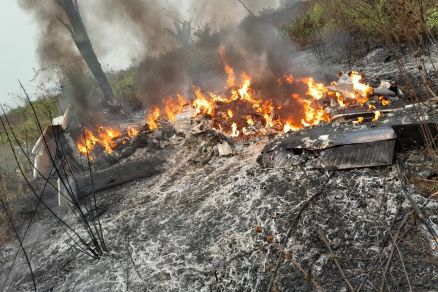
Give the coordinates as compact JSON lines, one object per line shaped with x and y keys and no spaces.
{"x":23,"y":121}
{"x":432,"y":19}
{"x":382,"y":21}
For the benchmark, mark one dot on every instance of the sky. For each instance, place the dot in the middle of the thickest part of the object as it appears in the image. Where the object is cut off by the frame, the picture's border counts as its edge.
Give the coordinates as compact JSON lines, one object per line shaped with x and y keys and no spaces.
{"x":17,"y":51}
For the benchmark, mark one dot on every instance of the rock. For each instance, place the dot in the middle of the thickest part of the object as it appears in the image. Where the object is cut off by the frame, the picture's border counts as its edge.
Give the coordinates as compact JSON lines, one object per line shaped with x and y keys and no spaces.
{"x":224,"y":149}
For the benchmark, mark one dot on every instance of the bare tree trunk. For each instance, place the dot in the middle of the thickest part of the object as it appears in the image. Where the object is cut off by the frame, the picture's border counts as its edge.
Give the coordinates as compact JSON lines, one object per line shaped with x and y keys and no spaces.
{"x":83,"y":43}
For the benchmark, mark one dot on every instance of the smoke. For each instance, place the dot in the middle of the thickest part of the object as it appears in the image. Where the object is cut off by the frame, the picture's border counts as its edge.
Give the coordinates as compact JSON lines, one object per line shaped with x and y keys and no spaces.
{"x":55,"y":47}
{"x":169,"y":65}
{"x":254,"y":47}
{"x":156,"y":33}
{"x":143,"y":28}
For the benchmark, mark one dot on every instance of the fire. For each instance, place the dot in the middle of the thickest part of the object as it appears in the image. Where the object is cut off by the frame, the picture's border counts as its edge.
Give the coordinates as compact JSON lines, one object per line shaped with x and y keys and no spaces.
{"x":384,"y":100}
{"x":227,"y":68}
{"x":289,"y":127}
{"x":317,"y":90}
{"x":234,"y":131}
{"x":362,"y":89}
{"x":153,"y":117}
{"x":241,"y":109}
{"x":377,"y":115}
{"x":229,"y":112}
{"x":87,"y":142}
{"x":359,"y":120}
{"x":340,"y":100}
{"x":104,"y":137}
{"x":173,"y":107}
{"x":133,"y":132}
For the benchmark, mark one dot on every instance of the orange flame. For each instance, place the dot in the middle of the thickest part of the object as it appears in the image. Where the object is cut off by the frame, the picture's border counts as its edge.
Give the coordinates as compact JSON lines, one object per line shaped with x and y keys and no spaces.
{"x":105,"y":138}
{"x":133,"y":132}
{"x":384,"y":100}
{"x":153,"y":117}
{"x":359,"y":120}
{"x":377,"y":115}
{"x":242,"y":107}
{"x":234,"y":131}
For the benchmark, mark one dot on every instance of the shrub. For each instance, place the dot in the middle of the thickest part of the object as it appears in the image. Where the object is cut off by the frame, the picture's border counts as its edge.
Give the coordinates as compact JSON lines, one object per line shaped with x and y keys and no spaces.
{"x":306,"y":29}
{"x":432,"y":19}
{"x":382,"y":21}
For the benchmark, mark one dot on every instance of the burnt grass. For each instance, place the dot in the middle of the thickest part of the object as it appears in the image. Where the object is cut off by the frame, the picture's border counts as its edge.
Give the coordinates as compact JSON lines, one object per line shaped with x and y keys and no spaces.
{"x":195,"y":226}
{"x":206,"y":223}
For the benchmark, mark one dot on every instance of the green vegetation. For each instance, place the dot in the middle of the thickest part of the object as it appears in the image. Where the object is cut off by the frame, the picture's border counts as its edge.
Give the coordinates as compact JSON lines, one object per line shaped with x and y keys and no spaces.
{"x":305,"y":29}
{"x":23,"y":120}
{"x":432,"y":19}
{"x":383,"y":21}
{"x":124,"y":86}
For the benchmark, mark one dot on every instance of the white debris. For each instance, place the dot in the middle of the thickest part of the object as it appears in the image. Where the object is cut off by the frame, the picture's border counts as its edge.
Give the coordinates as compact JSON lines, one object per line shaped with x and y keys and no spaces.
{"x":224,"y":149}
{"x":183,"y":120}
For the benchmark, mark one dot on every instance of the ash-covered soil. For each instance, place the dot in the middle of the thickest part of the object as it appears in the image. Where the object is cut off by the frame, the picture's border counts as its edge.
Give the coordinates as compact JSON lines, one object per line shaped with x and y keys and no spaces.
{"x":226,"y":224}
{"x":381,"y":62}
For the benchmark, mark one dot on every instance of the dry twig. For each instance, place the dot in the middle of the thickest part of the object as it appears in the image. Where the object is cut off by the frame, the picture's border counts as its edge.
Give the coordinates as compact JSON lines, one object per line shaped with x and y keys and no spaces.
{"x":391,"y":254}
{"x":294,"y":224}
{"x":323,"y":237}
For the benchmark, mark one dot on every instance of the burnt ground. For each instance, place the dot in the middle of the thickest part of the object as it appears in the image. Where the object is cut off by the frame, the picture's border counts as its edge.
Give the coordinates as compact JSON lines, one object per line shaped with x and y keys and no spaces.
{"x":222,"y":224}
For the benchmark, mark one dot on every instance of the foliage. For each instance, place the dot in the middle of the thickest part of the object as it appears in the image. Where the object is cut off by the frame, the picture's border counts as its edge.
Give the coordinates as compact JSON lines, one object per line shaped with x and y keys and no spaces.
{"x":364,"y":17}
{"x":23,"y":121}
{"x":124,"y":85}
{"x":432,"y":19}
{"x":308,"y":26}
{"x":381,"y":20}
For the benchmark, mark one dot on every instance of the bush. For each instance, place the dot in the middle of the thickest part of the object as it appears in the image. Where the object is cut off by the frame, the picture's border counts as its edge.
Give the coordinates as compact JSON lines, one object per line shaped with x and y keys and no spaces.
{"x":432,"y":19}
{"x":124,"y":85}
{"x":307,"y":28}
{"x":383,"y":21}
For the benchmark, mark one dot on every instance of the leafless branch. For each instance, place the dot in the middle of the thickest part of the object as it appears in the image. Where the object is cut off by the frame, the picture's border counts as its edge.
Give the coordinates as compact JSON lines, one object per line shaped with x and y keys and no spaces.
{"x":323,"y":237}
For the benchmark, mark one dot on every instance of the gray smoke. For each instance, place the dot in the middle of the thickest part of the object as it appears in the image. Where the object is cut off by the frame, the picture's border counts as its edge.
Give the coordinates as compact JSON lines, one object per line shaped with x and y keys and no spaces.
{"x":170,"y":65}
{"x":56,"y":48}
{"x":254,"y":46}
{"x":55,"y":45}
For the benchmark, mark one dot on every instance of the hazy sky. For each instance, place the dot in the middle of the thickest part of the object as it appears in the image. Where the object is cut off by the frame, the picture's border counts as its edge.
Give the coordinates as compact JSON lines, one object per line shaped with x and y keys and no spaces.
{"x":17,"y":50}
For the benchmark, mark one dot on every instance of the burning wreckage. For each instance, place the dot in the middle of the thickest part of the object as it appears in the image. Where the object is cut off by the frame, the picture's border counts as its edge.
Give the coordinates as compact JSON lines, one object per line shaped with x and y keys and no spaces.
{"x":308,"y":128}
{"x":358,"y":126}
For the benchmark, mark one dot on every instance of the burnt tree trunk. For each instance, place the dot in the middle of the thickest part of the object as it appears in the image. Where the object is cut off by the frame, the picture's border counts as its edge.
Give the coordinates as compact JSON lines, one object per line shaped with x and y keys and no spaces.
{"x":83,"y":43}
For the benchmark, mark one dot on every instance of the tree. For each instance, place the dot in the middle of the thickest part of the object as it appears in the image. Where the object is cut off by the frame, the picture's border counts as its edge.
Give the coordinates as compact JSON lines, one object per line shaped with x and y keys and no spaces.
{"x":83,"y":43}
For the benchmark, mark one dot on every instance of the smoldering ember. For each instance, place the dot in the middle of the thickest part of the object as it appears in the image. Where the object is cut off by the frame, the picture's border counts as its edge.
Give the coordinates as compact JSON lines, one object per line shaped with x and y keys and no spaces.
{"x":249,"y":146}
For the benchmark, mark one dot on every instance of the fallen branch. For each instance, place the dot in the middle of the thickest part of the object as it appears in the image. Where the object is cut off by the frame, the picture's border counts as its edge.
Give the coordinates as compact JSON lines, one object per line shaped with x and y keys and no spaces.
{"x":20,"y":241}
{"x":301,"y":269}
{"x":420,"y":214}
{"x":402,"y":262}
{"x":378,"y":258}
{"x":323,"y":237}
{"x":391,"y":254}
{"x":294,"y":224}
{"x":129,"y":253}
